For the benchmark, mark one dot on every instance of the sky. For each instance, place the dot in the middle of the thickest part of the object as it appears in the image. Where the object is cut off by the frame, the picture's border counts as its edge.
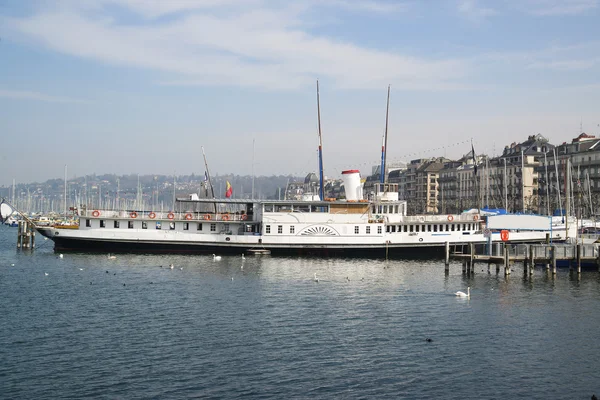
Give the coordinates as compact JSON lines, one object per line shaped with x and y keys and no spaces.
{"x":141,"y":86}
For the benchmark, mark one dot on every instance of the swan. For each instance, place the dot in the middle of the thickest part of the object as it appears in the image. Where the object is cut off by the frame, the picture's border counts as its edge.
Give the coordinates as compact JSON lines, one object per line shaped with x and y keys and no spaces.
{"x":463,"y":294}
{"x":316,"y":279}
{"x":171,"y":266}
{"x":216,"y":258}
{"x":111,"y":257}
{"x":81,"y":269}
{"x":243,"y":257}
{"x":242,"y":266}
{"x":45,"y":273}
{"x":60,"y":256}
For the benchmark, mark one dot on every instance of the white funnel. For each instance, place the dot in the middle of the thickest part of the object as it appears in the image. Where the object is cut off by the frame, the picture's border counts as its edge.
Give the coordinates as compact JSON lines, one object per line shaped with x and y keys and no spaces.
{"x":352,"y":184}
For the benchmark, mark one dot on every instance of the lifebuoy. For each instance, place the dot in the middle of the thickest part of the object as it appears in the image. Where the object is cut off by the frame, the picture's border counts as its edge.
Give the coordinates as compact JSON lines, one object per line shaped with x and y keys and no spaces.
{"x":133,"y":214}
{"x":152,"y":215}
{"x":170,"y":215}
{"x":96,"y":213}
{"x":504,"y":235}
{"x":207,"y":217}
{"x":225,"y":217}
{"x":450,"y":218}
{"x":188,"y":216}
{"x":244,"y":217}
{"x":475,"y":217}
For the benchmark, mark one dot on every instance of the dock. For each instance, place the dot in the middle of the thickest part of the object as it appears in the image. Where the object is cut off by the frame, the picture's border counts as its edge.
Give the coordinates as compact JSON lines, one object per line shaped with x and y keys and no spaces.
{"x":506,"y":254}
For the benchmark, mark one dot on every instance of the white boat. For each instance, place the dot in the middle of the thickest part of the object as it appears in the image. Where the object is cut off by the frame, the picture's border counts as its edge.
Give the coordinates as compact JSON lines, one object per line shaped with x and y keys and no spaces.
{"x":331,"y":226}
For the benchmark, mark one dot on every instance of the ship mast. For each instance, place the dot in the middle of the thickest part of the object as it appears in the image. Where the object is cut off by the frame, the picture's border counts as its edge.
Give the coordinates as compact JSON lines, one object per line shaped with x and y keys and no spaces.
{"x":383,"y":175}
{"x":212,"y":190}
{"x":321,"y":188}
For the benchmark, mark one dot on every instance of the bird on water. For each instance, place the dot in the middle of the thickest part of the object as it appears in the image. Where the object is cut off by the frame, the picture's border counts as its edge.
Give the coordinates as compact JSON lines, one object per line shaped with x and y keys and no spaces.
{"x":316,"y":279}
{"x":463,"y":294}
{"x":216,"y":257}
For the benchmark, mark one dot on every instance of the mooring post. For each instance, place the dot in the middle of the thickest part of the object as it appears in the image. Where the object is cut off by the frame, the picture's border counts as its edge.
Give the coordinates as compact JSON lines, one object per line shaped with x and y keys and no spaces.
{"x":471,"y":258}
{"x":554,"y":260}
{"x":447,"y":261}
{"x":526,"y":260}
{"x":32,"y":237}
{"x":464,"y":266}
{"x":547,"y":247}
{"x":506,"y":260}
{"x":19,"y":229}
{"x":531,"y":259}
{"x":579,"y":258}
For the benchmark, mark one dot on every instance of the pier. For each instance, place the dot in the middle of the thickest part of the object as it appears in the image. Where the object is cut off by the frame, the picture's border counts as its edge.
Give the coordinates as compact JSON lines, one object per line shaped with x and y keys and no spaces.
{"x":25,"y":234}
{"x":506,"y":254}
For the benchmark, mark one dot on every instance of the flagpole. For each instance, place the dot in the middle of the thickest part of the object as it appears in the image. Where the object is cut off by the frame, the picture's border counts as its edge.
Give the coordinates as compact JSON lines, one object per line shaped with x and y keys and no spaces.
{"x":209,"y":181}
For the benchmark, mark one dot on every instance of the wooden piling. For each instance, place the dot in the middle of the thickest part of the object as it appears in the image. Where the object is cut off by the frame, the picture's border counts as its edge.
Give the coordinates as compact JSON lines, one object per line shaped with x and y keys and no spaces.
{"x":447,"y":261}
{"x":554,"y":260}
{"x":506,"y":260}
{"x":472,"y":252}
{"x":579,"y":258}
{"x":19,"y":235}
{"x":531,"y":260}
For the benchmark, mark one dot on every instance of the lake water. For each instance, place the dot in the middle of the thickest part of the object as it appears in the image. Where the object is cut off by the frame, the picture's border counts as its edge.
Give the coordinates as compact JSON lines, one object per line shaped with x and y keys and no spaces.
{"x":86,"y":326}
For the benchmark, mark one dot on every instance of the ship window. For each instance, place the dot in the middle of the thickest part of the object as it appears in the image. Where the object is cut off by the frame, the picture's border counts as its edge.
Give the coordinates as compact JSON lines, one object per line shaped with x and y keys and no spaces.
{"x":435,"y":227}
{"x":279,"y":228}
{"x":464,"y":227}
{"x":385,"y":209}
{"x":417,"y":228}
{"x":356,"y":230}
{"x":283,"y":208}
{"x":186,"y":226}
{"x":213,"y":227}
{"x":144,"y":225}
{"x":116,"y":223}
{"x":130,"y":224}
{"x":88,"y":223}
{"x":199,"y":226}
{"x":447,"y":227}
{"x":405,"y":228}
{"x":292,"y":229}
{"x":172,"y":226}
{"x":428,"y":228}
{"x":158,"y":225}
{"x":102,"y":223}
{"x":411,"y":228}
{"x":452,"y":228}
{"x":268,"y":207}
{"x":368,"y":230}
{"x":268,"y":229}
{"x":379,"y":230}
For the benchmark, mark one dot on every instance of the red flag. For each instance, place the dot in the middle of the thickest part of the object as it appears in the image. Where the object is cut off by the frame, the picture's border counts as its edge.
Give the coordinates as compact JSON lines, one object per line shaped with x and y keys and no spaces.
{"x":228,"y":190}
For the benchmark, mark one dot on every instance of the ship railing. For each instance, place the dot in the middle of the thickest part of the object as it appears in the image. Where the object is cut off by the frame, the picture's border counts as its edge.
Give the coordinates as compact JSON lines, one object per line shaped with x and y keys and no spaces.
{"x":166,"y":215}
{"x":463,"y":218}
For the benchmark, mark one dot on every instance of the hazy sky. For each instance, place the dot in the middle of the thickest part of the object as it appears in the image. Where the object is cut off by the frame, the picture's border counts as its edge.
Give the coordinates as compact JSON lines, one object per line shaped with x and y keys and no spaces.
{"x":138,"y":86}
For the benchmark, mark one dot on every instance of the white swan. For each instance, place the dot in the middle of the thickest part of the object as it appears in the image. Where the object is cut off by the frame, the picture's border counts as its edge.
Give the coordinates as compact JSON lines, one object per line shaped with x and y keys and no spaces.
{"x":242,"y":266}
{"x":111,"y":257}
{"x":243,"y":257}
{"x":216,"y":258}
{"x":463,"y":294}
{"x":316,"y":279}
{"x":60,"y":256}
{"x":45,"y":273}
{"x":171,"y":266}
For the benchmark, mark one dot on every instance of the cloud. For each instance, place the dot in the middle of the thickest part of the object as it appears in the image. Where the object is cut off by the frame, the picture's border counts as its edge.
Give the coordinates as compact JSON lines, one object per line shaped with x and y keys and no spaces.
{"x":560,"y":7}
{"x":564,"y":65}
{"x":472,"y":10}
{"x":27,"y":95}
{"x":269,"y":48}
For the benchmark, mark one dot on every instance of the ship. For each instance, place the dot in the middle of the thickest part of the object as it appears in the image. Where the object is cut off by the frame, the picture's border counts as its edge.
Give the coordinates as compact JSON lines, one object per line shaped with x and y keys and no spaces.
{"x":350,"y":226}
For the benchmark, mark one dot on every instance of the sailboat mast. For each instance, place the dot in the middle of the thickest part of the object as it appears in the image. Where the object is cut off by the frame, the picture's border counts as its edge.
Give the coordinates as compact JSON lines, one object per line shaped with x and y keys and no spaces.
{"x":321,"y":188}
{"x":384,"y":148}
{"x":212,"y":190}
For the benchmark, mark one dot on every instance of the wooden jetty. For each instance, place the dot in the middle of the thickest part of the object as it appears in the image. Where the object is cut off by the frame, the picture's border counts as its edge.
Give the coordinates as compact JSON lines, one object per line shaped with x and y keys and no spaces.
{"x":506,"y":254}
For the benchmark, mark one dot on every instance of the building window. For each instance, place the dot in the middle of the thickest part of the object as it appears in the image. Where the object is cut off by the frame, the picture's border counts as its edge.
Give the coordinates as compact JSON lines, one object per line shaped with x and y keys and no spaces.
{"x":130,"y":224}
{"x":116,"y":223}
{"x":199,"y":226}
{"x":379,"y":229}
{"x":268,"y":229}
{"x":292,"y":229}
{"x":88,"y":223}
{"x":279,"y":228}
{"x":186,"y":226}
{"x":356,"y":230}
{"x":102,"y":223}
{"x":368,"y":230}
{"x":213,"y":227}
{"x":144,"y":225}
